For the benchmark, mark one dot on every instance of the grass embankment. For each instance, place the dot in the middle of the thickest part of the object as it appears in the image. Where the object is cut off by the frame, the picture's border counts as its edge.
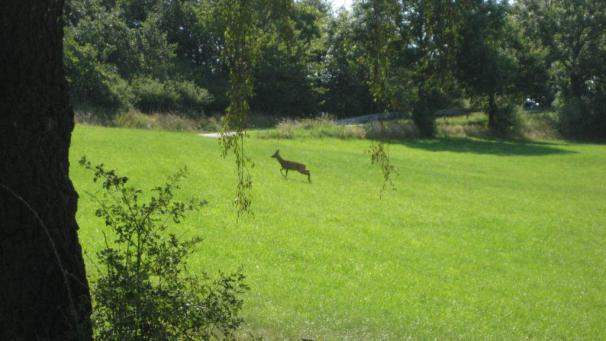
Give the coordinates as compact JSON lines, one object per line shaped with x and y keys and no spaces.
{"x":483,"y":239}
{"x":529,"y":126}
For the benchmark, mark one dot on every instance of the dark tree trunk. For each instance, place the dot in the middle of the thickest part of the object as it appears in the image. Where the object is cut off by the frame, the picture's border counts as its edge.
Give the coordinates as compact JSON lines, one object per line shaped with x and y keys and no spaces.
{"x":492,"y":113}
{"x":577,"y":84}
{"x":43,"y":289}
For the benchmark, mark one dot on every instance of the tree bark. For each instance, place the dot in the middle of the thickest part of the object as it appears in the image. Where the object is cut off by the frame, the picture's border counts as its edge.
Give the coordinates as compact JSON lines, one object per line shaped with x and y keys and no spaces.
{"x":43,"y":288}
{"x":492,"y":112}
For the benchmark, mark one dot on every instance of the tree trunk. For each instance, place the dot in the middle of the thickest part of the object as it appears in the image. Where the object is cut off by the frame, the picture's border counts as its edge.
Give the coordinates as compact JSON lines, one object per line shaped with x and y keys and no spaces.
{"x":43,"y":289}
{"x":576,"y":84}
{"x":492,"y":113}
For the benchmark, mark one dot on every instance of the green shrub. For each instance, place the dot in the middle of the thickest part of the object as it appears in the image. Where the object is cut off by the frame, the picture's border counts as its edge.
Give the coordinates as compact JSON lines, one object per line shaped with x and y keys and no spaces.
{"x":210,"y":123}
{"x":536,"y":125}
{"x":583,"y":117}
{"x":172,"y":122}
{"x":143,"y":291}
{"x":91,"y":82}
{"x":133,"y":119}
{"x":191,"y":99}
{"x":152,"y":95}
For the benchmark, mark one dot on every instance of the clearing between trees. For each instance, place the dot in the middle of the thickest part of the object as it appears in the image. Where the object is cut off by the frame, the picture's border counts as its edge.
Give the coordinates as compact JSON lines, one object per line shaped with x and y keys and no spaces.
{"x":483,"y":238}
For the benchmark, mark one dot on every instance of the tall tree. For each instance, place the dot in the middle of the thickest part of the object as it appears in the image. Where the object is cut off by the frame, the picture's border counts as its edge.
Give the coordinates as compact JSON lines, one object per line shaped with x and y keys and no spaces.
{"x":344,"y":77}
{"x":486,"y":63}
{"x":574,"y":35}
{"x":410,"y":49}
{"x":43,"y":289}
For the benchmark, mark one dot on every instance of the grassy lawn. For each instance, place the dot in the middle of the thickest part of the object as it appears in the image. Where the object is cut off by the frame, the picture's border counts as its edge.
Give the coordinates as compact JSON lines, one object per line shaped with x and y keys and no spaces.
{"x":483,"y":239}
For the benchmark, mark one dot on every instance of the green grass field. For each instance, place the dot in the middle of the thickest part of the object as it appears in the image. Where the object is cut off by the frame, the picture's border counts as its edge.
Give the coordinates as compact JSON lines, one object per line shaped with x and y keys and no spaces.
{"x":483,"y":239}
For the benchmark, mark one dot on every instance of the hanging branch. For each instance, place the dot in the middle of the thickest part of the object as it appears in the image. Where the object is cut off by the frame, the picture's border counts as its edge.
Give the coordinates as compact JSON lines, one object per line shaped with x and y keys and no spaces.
{"x":379,"y":157}
{"x":243,"y":21}
{"x":239,"y":55}
{"x":381,"y":29}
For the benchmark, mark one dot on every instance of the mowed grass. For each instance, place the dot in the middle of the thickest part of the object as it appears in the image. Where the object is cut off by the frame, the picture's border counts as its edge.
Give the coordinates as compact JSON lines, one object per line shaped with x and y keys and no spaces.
{"x":483,"y":239}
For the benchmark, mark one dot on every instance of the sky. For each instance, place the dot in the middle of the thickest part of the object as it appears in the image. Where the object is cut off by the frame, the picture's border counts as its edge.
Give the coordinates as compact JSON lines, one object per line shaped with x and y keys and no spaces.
{"x":336,"y":4}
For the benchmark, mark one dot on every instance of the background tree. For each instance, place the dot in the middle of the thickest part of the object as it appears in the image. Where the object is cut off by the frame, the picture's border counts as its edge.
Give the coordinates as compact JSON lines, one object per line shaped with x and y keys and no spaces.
{"x":344,"y":78}
{"x":44,"y":292}
{"x":486,"y":63}
{"x":286,"y":75}
{"x":127,"y":54}
{"x":410,"y":47}
{"x":574,"y":36}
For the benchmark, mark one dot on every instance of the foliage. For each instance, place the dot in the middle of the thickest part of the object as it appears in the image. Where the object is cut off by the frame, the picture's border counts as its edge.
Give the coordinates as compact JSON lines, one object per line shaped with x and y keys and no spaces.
{"x":151,"y":95}
{"x":573,"y":35}
{"x":412,"y":56}
{"x":144,"y":291}
{"x":486,"y":63}
{"x":90,"y":81}
{"x":118,"y":55}
{"x":380,"y":158}
{"x":343,"y":77}
{"x":286,"y":75}
{"x":377,"y":18}
{"x":240,"y":50}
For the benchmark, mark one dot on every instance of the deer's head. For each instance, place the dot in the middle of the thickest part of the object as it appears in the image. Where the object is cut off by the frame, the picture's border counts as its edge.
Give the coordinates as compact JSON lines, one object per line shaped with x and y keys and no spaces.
{"x":276,"y":154}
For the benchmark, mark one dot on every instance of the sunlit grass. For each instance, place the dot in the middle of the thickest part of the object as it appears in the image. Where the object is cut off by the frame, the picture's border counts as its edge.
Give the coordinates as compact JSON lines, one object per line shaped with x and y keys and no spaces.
{"x":483,"y":239}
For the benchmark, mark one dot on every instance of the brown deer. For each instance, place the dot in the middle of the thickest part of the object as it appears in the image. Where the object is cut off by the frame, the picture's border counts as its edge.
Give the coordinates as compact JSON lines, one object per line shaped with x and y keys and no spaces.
{"x":286,"y":165}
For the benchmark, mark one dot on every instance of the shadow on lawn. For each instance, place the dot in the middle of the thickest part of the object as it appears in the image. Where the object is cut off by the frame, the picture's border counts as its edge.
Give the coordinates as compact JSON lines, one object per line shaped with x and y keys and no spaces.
{"x":486,"y":146}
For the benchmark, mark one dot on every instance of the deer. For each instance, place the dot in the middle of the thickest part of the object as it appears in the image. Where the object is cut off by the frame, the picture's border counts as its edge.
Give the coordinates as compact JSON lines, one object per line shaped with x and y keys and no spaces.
{"x":288,"y":165}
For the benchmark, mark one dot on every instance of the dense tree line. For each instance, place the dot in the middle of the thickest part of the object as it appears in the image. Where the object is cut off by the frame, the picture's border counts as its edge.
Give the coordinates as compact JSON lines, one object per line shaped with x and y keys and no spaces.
{"x":411,"y":56}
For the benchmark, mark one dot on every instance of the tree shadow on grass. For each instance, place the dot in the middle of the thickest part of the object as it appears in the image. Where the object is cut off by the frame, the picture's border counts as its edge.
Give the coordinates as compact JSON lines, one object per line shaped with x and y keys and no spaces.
{"x":499,"y":147}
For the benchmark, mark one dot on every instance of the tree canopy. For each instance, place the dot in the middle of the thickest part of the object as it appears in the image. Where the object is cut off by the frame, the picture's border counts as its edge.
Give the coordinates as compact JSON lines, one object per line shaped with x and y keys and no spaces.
{"x":409,"y":56}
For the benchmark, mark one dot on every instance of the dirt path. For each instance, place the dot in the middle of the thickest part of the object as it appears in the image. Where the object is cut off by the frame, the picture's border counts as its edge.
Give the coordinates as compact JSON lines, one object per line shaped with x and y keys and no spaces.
{"x":216,"y":135}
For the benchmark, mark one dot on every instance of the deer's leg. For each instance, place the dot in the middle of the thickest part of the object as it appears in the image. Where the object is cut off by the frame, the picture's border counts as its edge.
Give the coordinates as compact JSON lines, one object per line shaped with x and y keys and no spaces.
{"x":286,"y":176}
{"x":305,"y":172}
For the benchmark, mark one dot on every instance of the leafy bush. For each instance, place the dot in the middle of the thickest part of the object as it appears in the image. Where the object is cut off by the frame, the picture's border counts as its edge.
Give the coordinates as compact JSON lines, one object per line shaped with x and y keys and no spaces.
{"x":133,"y":119}
{"x":143,"y":291}
{"x":152,"y":95}
{"x":191,"y":99}
{"x":173,"y":122}
{"x":91,"y":82}
{"x":538,"y":126}
{"x":584,"y":116}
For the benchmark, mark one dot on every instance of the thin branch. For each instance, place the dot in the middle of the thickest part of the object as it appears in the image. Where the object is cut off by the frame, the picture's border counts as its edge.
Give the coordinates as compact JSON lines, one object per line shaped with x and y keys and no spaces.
{"x":54,"y":250}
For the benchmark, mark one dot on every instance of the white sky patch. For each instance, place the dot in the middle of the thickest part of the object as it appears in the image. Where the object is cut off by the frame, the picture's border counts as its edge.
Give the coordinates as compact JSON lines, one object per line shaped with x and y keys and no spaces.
{"x":337,"y":4}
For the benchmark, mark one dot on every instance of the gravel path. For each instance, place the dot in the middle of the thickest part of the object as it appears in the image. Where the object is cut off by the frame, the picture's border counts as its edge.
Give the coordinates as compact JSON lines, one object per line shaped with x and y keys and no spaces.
{"x":216,"y":135}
